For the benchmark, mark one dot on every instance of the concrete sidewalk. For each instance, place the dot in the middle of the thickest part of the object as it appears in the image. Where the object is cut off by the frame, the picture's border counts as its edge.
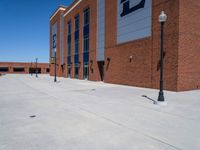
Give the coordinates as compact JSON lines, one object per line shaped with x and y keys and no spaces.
{"x":83,"y":115}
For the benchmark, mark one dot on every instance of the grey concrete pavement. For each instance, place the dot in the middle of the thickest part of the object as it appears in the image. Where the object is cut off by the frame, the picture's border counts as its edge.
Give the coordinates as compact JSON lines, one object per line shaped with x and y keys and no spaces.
{"x":83,"y":115}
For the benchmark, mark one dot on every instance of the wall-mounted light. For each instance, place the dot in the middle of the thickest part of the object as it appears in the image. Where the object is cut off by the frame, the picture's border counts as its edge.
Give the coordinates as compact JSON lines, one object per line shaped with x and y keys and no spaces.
{"x":62,"y":66}
{"x":91,"y":68}
{"x":130,"y":58}
{"x":79,"y":64}
{"x":108,"y":60}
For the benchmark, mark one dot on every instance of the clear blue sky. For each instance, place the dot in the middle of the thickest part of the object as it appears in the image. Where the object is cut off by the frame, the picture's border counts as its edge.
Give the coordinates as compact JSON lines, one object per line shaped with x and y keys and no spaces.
{"x":24,"y":29}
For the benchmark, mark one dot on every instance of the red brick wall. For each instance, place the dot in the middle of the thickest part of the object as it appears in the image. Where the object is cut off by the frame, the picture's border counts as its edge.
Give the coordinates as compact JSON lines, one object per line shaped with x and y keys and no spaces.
{"x":189,"y":45}
{"x":56,"y":19}
{"x":142,"y":69}
{"x":181,"y":46}
{"x":92,"y":4}
{"x":171,"y":33}
{"x":26,"y":66}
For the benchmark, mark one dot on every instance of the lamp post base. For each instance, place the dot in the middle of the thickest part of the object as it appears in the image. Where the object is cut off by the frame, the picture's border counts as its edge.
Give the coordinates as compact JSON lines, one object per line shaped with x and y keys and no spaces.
{"x":161,"y":103}
{"x":161,"y":97}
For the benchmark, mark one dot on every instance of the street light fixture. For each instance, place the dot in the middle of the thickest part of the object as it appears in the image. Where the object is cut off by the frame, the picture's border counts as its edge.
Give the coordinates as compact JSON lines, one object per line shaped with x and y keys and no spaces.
{"x":55,"y":64}
{"x":36,"y":70}
{"x":31,"y":69}
{"x":162,"y":20}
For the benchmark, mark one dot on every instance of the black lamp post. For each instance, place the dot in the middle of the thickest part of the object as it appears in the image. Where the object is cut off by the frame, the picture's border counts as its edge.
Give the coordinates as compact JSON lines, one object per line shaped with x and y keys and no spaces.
{"x":162,"y":20}
{"x":36,"y":70}
{"x":55,"y":64}
{"x":31,"y":69}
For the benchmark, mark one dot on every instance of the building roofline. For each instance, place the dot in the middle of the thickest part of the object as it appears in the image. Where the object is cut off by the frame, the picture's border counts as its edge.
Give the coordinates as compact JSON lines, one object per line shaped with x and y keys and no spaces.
{"x":72,"y":7}
{"x":57,"y":10}
{"x":22,"y":62}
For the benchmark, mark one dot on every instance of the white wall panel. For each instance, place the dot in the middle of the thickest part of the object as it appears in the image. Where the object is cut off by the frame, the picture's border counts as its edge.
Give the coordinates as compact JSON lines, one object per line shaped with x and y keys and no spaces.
{"x":101,"y":30}
{"x":136,"y":23}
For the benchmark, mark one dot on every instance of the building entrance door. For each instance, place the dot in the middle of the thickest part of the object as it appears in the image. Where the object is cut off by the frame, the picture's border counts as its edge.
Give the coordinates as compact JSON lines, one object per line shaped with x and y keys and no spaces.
{"x":76,"y":72}
{"x":69,"y":72}
{"x":101,"y":69}
{"x":86,"y":72}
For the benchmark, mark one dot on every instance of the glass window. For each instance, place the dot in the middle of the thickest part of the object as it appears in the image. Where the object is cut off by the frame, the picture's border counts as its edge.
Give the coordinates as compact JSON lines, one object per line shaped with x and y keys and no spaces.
{"x":19,"y":69}
{"x":86,"y":72}
{"x":76,"y":47}
{"x":76,"y":40}
{"x":69,"y":43}
{"x":86,"y":30}
{"x":76,"y":72}
{"x":69,"y":72}
{"x":69,"y":49}
{"x":69,"y":27}
{"x":77,"y":22}
{"x":86,"y":16}
{"x":86,"y":44}
{"x":47,"y":70}
{"x":76,"y":35}
{"x":4,"y":69}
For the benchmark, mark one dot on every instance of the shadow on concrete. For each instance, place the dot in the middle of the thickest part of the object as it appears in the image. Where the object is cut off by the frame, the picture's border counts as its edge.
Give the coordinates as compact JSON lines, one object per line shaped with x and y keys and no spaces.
{"x":154,"y":101}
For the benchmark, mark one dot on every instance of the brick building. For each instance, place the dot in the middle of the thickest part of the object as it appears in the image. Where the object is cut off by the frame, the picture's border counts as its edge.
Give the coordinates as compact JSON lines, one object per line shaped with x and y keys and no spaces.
{"x":118,"y":41}
{"x":23,"y":68}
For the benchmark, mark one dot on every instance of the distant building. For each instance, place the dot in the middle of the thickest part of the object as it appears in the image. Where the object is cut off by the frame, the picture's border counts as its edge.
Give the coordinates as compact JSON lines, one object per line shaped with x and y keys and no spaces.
{"x":118,"y":41}
{"x":23,"y":68}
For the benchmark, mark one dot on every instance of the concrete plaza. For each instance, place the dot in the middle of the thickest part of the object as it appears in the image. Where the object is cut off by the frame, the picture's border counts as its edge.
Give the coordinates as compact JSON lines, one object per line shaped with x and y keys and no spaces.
{"x":38,"y":114}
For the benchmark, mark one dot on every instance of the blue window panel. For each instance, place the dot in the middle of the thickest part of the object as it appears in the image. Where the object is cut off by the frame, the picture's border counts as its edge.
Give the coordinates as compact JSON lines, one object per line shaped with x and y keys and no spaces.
{"x":69,"y":49}
{"x":69,"y":39}
{"x":76,"y":59}
{"x":86,"y":16}
{"x":86,"y":44}
{"x":77,"y":22}
{"x":86,"y":57}
{"x":76,"y":35}
{"x":69,"y":46}
{"x":86,"y":30}
{"x":69,"y":60}
{"x":69,"y":27}
{"x":76,"y":47}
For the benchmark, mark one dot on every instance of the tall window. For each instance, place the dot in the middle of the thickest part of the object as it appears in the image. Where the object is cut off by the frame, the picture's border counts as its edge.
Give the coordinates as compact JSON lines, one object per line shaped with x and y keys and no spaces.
{"x":86,"y":16}
{"x":76,"y":45}
{"x":86,"y":31}
{"x":76,"y":39}
{"x":69,"y":48}
{"x":69,"y":43}
{"x":86,"y":35}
